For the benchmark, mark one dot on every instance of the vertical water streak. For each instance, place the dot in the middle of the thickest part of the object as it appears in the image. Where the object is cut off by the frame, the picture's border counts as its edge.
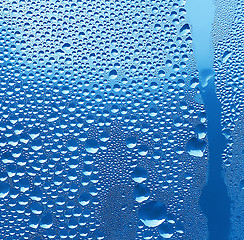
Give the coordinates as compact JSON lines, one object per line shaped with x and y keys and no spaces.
{"x":214,"y":201}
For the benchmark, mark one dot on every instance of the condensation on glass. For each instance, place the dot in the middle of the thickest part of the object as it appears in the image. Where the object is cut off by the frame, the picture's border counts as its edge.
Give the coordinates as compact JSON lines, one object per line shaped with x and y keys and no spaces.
{"x":103,"y":131}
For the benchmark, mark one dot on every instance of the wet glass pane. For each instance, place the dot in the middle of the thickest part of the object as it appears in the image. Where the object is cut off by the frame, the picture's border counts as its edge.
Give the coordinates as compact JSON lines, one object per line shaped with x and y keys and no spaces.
{"x":121,"y":119}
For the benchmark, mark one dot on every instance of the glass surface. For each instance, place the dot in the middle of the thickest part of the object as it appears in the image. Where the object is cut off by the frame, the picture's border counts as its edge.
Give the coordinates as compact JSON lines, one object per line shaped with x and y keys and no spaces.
{"x":121,"y":119}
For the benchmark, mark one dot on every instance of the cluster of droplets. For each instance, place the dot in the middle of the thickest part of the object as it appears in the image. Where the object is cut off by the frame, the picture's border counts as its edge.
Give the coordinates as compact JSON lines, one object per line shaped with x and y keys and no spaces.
{"x":153,"y":214}
{"x":101,"y":121}
{"x":228,"y":66}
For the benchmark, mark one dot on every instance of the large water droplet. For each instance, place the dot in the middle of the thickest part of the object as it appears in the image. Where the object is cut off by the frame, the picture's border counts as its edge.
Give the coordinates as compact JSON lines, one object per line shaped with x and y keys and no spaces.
{"x":196,"y":147}
{"x":113,"y":74}
{"x":131,"y":142}
{"x":4,"y":189}
{"x":141,"y":193}
{"x":166,"y":230}
{"x":91,"y":146}
{"x":152,"y":214}
{"x":46,"y":221}
{"x":139,"y":174}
